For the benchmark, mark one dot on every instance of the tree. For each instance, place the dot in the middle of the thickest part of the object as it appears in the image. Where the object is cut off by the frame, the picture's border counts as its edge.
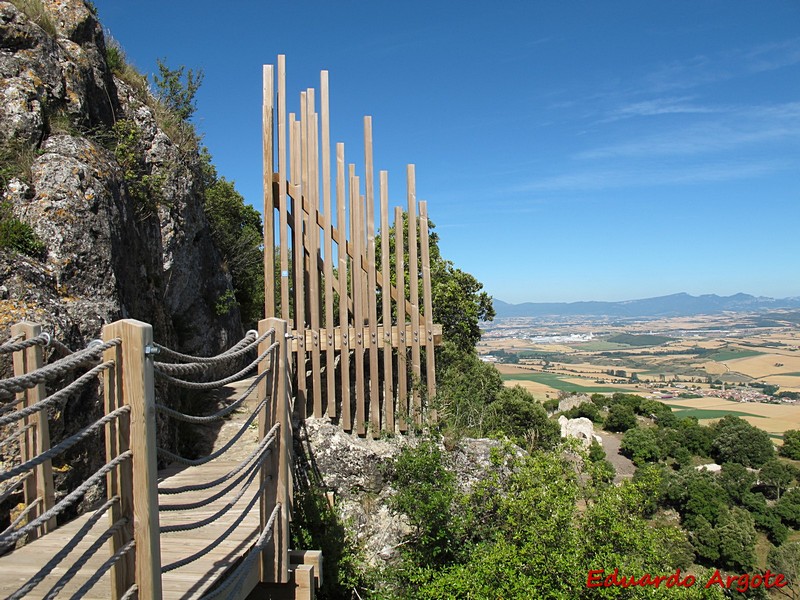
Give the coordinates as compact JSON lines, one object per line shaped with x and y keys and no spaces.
{"x":466,"y":388}
{"x":516,"y":413}
{"x":176,"y":91}
{"x":620,"y":418}
{"x":459,"y":303}
{"x":788,"y":508}
{"x":791,"y":444}
{"x":236,"y":230}
{"x":640,"y":444}
{"x":777,"y":476}
{"x":785,"y":559}
{"x":737,"y":441}
{"x":737,"y":481}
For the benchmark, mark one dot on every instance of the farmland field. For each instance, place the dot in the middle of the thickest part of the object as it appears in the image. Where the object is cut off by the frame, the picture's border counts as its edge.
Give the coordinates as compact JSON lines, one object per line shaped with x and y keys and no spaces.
{"x":739,"y":352}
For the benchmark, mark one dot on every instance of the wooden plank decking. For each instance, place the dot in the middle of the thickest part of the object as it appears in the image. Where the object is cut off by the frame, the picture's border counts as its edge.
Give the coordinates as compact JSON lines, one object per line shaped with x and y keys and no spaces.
{"x":190,"y":581}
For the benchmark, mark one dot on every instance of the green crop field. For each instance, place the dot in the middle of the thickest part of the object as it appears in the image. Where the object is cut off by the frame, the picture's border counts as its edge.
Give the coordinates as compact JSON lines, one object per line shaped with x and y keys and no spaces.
{"x":732,"y":354}
{"x":639,"y":340}
{"x":704,"y":413}
{"x":556,"y":382}
{"x":598,"y":346}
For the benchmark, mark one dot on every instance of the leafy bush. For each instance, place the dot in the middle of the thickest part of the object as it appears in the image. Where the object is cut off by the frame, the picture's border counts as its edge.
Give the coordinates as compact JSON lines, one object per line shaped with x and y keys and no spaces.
{"x":18,"y":236}
{"x":36,"y":12}
{"x":143,"y":187}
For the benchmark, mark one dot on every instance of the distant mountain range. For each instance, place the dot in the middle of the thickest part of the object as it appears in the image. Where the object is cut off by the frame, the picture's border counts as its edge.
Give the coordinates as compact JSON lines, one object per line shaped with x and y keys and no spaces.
{"x":677,"y":305}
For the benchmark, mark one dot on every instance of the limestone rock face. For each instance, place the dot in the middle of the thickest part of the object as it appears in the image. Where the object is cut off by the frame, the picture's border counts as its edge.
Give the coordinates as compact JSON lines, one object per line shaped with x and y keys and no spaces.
{"x":581,"y":429}
{"x":572,"y":401}
{"x":106,"y":258}
{"x":355,"y":468}
{"x":107,"y":255}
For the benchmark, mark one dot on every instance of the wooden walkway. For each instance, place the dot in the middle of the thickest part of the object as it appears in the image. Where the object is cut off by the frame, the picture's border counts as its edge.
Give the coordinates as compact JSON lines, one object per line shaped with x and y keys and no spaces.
{"x":185,"y":582}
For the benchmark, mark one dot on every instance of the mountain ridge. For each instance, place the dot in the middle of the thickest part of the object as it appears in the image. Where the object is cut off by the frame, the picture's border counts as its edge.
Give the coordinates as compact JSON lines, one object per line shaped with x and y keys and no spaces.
{"x":678,"y":304}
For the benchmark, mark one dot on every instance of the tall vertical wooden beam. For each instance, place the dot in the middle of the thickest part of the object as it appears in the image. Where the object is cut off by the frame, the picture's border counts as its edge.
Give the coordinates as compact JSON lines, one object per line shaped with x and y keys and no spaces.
{"x":400,"y":282}
{"x":372,"y":285}
{"x":282,"y":201}
{"x":138,"y":392}
{"x":357,"y":235}
{"x":312,"y":239}
{"x":299,"y":267}
{"x":119,"y":482}
{"x":278,"y":467}
{"x":386,"y":306}
{"x":328,"y":250}
{"x":39,"y":484}
{"x":269,"y":203}
{"x":344,"y":321}
{"x":427,"y":301}
{"x":413,"y":284}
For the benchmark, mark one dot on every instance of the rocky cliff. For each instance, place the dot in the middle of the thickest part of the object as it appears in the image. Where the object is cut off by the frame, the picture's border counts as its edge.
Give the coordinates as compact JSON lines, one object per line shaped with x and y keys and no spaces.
{"x":110,"y":251}
{"x":114,"y":202}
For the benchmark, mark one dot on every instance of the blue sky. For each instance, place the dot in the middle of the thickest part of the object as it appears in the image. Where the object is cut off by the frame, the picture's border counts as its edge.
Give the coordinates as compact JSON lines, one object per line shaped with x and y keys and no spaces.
{"x":567,"y":150}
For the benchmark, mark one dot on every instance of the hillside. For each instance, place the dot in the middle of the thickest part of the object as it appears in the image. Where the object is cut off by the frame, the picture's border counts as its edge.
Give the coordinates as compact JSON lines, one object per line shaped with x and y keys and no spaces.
{"x":674,"y":305}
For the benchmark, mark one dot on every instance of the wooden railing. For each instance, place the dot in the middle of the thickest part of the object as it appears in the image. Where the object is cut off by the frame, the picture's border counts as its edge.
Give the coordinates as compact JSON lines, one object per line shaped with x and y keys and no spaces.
{"x":325,"y":232}
{"x":125,"y":360}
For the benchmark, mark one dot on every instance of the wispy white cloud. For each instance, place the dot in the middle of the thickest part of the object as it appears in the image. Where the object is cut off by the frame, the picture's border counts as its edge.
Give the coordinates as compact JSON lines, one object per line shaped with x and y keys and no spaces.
{"x":703,"y":69}
{"x":625,"y":177}
{"x":730,"y":129}
{"x":656,"y":107}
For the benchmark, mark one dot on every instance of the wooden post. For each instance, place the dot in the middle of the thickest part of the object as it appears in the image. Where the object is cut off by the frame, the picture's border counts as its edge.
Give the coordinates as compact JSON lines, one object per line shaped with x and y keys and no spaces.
{"x":328,"y":250}
{"x":39,"y":483}
{"x":269,"y":202}
{"x":430,"y":359}
{"x":119,"y":482}
{"x":357,"y":236}
{"x":386,"y":306}
{"x":312,"y":238}
{"x":138,"y":392}
{"x":275,"y":558}
{"x":283,"y":207}
{"x":413,"y":284}
{"x":344,"y":321}
{"x":372,"y":285}
{"x":400,"y":281}
{"x":299,"y":269}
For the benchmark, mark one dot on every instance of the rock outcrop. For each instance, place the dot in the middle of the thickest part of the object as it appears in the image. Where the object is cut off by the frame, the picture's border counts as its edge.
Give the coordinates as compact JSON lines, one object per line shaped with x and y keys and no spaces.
{"x":581,"y":429}
{"x":355,"y":468}
{"x":110,"y":250}
{"x":107,"y":256}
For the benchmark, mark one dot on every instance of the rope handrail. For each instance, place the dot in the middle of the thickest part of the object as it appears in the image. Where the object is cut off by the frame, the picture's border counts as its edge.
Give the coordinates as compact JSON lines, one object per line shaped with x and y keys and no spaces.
{"x":64,"y":445}
{"x":132,"y":592}
{"x":189,"y":462}
{"x":13,"y":385}
{"x":215,"y":384}
{"x":42,"y":573}
{"x":9,"y":489}
{"x":114,"y":559}
{"x":211,"y":518}
{"x":43,"y":339}
{"x":63,"y":394}
{"x":21,"y":516}
{"x":242,"y":568}
{"x":205,"y":550}
{"x":67,"y":501}
{"x":263,"y":448}
{"x":198,"y":365}
{"x":215,"y":482}
{"x":14,"y":436}
{"x":217,"y":416}
{"x":249,"y":336}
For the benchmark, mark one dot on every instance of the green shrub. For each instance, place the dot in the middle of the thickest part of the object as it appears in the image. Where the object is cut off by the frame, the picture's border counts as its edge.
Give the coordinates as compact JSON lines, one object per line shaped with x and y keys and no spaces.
{"x":143,"y":187}
{"x":36,"y":12}
{"x":18,"y":236}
